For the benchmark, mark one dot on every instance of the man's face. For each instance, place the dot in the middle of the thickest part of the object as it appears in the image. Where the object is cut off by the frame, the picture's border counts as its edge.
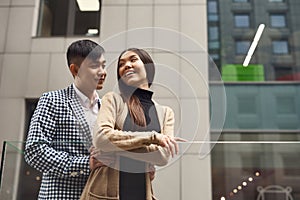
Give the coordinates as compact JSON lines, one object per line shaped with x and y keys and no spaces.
{"x":91,"y":74}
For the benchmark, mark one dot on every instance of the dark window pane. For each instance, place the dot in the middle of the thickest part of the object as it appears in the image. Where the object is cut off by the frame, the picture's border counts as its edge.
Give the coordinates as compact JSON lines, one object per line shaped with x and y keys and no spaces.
{"x":64,"y":18}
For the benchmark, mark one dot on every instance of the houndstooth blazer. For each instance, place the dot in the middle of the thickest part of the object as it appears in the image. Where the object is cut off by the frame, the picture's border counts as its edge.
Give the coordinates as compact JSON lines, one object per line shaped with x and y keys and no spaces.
{"x":57,"y":145}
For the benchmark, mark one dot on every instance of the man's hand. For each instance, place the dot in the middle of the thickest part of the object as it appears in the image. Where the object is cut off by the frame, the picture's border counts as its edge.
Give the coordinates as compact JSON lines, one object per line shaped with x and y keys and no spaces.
{"x":97,"y":159}
{"x":94,"y":163}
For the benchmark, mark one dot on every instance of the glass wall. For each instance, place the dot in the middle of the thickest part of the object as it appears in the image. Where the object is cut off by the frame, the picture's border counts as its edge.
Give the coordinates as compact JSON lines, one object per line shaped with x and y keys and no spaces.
{"x":254,"y":158}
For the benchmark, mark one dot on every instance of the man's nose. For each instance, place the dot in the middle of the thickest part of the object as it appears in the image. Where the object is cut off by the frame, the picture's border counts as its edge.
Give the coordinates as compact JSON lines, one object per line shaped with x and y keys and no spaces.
{"x":101,"y":70}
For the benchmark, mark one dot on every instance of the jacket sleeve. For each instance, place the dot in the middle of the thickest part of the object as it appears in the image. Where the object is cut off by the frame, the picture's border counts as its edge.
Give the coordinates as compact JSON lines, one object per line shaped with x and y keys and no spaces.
{"x":39,"y":149}
{"x":156,"y":154}
{"x":108,"y":137}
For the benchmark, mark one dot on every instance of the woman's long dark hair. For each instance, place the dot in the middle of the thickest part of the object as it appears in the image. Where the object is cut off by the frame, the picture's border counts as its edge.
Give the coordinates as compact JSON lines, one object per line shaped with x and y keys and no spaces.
{"x":134,"y":105}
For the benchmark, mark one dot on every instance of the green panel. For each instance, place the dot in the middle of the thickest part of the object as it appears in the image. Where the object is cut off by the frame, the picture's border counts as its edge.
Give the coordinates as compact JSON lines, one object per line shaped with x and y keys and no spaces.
{"x":237,"y":72}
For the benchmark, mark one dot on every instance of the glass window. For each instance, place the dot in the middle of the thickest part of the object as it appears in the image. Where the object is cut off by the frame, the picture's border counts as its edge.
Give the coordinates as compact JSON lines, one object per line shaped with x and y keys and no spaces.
{"x":278,"y":20}
{"x":213,"y":18}
{"x":242,"y":47}
{"x":280,"y":47}
{"x":283,"y":73}
{"x":214,"y":45}
{"x":241,"y":20}
{"x":212,"y":10}
{"x":276,"y":0}
{"x":68,"y":18}
{"x":212,"y":7}
{"x":213,"y":33}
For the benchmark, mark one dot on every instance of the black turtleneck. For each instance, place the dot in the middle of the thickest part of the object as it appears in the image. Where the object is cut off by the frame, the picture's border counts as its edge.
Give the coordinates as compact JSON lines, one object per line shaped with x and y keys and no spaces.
{"x":132,"y":172}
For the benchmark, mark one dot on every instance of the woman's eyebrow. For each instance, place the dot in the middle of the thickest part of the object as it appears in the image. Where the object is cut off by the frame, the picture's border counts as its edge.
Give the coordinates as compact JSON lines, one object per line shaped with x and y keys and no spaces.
{"x":132,"y":56}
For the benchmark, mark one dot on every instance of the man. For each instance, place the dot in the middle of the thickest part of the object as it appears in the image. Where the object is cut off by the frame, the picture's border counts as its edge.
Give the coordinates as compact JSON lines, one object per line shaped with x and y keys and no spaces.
{"x":60,"y":132}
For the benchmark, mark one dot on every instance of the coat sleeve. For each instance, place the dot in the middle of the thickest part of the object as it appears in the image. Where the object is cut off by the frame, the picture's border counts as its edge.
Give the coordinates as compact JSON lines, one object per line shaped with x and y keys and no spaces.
{"x":39,"y":149}
{"x":108,"y":137}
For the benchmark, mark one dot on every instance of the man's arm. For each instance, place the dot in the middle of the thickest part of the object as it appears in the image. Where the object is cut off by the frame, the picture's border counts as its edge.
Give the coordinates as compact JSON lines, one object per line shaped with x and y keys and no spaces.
{"x":39,"y":150}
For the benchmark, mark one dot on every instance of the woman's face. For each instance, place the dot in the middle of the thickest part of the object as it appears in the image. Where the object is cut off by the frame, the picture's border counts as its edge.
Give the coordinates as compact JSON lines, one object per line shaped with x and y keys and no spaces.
{"x":132,"y":70}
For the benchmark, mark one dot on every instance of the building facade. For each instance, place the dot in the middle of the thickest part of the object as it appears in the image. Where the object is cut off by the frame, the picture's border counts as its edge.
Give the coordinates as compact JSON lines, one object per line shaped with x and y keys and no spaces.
{"x":242,"y":123}
{"x":33,"y":43}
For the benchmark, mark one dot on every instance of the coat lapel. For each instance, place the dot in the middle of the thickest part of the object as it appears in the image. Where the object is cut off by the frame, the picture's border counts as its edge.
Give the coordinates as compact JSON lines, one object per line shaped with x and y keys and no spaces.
{"x":79,"y":114}
{"x":160,"y":114}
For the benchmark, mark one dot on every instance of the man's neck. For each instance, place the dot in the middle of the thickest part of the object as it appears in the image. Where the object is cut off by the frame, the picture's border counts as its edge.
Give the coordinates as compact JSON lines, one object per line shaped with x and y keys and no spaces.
{"x":91,"y":94}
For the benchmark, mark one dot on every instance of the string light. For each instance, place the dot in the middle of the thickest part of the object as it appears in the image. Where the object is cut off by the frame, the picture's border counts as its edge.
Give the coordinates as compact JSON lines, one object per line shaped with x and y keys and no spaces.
{"x":240,"y":187}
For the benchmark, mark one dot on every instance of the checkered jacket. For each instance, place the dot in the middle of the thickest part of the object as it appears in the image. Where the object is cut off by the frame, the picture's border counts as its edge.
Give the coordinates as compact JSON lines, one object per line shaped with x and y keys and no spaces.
{"x":57,"y":145}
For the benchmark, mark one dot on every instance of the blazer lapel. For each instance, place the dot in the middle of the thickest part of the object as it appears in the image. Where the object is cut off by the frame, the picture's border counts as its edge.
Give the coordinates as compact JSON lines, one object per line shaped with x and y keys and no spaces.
{"x":79,"y":114}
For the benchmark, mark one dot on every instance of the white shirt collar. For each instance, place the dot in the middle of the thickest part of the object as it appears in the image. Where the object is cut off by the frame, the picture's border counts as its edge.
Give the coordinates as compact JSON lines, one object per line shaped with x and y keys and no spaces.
{"x":84,"y":100}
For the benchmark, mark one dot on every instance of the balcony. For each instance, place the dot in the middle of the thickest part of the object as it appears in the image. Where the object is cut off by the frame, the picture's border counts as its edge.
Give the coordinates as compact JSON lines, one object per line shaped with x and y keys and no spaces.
{"x":240,"y":170}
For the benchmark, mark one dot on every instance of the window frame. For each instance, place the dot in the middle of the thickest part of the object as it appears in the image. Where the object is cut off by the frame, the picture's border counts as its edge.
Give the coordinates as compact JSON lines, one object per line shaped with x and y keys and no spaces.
{"x":69,"y":24}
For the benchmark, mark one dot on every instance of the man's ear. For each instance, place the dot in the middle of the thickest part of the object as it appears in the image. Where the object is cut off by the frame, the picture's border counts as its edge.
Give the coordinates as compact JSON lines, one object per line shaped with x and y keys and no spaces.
{"x":74,"y":69}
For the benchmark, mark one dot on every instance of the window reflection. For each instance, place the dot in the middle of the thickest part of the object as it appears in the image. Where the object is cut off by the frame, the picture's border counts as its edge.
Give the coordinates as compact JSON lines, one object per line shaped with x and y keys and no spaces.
{"x":240,"y":169}
{"x":236,"y":22}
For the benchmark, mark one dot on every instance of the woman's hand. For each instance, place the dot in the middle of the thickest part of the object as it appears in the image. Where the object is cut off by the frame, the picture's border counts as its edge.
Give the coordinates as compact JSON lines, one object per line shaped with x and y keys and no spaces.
{"x":151,"y":172}
{"x":169,"y":142}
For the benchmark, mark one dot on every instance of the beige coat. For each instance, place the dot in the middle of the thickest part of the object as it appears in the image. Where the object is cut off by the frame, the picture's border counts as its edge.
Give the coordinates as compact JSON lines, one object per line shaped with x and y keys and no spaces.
{"x":103,"y":182}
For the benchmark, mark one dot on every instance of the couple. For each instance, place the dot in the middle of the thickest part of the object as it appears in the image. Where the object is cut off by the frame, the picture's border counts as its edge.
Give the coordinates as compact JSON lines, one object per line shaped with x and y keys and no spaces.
{"x":129,"y":130}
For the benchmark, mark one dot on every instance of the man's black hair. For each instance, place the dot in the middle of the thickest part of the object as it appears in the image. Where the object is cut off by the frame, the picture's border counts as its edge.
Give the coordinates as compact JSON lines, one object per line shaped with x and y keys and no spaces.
{"x":81,"y":49}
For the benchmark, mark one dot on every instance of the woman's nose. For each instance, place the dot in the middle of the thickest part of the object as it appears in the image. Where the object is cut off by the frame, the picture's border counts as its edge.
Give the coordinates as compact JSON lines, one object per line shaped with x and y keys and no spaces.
{"x":128,"y":65}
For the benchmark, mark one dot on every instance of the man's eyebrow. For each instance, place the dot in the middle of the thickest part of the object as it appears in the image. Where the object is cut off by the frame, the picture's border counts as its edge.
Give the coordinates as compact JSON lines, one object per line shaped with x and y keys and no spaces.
{"x":99,"y":62}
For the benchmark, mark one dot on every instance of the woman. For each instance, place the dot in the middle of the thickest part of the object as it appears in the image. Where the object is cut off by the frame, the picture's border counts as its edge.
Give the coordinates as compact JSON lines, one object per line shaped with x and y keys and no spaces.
{"x":133,"y":128}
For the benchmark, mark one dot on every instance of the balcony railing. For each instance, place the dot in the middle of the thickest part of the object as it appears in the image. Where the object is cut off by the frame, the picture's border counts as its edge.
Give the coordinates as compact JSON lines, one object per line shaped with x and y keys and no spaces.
{"x":243,"y":170}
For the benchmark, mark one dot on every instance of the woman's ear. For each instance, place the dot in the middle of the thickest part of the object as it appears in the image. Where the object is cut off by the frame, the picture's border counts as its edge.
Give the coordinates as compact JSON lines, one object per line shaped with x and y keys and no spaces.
{"x":74,"y":69}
